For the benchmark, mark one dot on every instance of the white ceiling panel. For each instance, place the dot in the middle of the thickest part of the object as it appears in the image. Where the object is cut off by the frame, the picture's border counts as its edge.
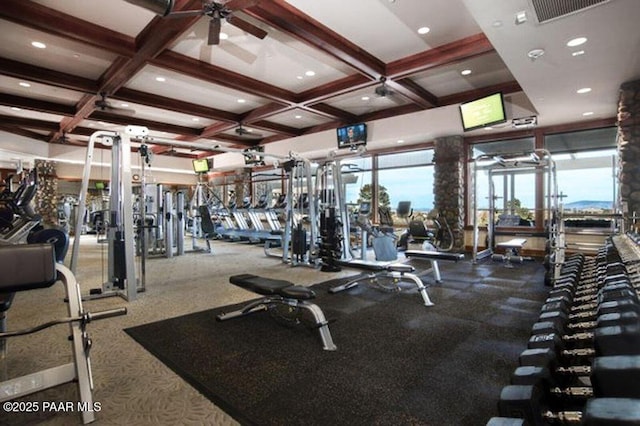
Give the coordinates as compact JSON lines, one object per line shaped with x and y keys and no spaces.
{"x":39,"y":91}
{"x":299,"y":119}
{"x":60,"y":54}
{"x":365,"y":100}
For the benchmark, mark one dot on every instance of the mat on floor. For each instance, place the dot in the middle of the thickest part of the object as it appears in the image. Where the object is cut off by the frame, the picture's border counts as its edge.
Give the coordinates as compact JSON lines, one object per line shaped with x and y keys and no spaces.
{"x":398,"y":362}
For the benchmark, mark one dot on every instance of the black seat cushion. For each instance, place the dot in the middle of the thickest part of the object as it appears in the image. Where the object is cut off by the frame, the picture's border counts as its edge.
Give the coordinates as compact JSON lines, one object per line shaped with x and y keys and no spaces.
{"x":27,"y":267}
{"x":5,"y":301}
{"x":260,"y":285}
{"x":297,"y":292}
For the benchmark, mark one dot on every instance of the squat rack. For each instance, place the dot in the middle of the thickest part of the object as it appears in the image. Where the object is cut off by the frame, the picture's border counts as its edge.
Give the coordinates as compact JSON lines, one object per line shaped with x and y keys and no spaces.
{"x":539,"y":161}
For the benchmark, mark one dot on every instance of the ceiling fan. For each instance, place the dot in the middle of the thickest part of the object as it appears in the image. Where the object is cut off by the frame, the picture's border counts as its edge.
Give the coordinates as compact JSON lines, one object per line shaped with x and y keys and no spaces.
{"x":103,"y":105}
{"x":245,"y":133}
{"x":218,"y":12}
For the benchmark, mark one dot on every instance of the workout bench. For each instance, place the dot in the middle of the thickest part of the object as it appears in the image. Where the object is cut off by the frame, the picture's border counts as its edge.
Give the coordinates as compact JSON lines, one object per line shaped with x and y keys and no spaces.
{"x":33,"y":266}
{"x":433,"y":257}
{"x":512,"y":252}
{"x":395,"y":271}
{"x":280,"y":292}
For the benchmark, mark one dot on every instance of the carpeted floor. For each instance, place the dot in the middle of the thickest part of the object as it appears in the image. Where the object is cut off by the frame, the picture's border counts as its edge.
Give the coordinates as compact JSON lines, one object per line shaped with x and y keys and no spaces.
{"x":398,"y":362}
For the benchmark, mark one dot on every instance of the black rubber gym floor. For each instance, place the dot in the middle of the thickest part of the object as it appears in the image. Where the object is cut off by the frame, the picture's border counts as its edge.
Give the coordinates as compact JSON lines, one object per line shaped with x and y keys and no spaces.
{"x":398,"y":362}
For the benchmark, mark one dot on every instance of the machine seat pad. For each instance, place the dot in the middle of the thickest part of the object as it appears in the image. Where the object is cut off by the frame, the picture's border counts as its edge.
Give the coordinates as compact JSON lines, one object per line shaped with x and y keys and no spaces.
{"x":400,"y":267}
{"x":297,"y":292}
{"x":434,"y":255}
{"x":5,"y":301}
{"x":271,"y":287}
{"x":27,"y":267}
{"x":512,"y":243}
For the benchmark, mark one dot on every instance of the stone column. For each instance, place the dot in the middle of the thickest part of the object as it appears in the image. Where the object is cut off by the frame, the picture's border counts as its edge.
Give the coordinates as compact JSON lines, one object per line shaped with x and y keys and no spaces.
{"x":46,"y":199}
{"x":448,"y":185}
{"x":629,"y":145}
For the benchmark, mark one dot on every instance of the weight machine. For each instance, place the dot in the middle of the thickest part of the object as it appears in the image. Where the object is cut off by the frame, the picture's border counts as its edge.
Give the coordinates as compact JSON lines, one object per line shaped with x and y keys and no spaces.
{"x":538,"y":161}
{"x":121,"y":280}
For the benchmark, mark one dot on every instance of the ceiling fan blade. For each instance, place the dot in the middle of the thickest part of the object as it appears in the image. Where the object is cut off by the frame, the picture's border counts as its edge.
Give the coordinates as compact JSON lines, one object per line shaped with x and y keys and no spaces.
{"x":214,"y":31}
{"x":185,"y":14}
{"x":239,"y":4}
{"x":247,"y":27}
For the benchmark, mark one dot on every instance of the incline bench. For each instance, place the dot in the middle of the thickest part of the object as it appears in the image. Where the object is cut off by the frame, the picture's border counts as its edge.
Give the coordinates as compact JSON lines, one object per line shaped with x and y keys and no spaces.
{"x":33,"y":266}
{"x":280,"y":292}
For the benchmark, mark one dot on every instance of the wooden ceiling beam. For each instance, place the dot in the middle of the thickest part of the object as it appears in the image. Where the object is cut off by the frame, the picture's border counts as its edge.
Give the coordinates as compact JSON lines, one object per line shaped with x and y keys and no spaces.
{"x":36,"y":105}
{"x":414,"y":92}
{"x":506,"y":88}
{"x":286,"y":18}
{"x":446,"y":54}
{"x":176,"y":105}
{"x":41,"y":75}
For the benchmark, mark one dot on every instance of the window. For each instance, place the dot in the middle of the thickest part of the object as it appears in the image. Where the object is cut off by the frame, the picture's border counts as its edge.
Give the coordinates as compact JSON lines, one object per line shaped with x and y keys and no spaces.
{"x":586,"y":169}
{"x":407,"y":176}
{"x":514,"y":189}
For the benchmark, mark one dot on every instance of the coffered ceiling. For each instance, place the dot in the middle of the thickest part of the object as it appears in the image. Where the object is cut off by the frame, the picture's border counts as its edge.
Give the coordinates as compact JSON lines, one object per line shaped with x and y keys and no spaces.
{"x":316,"y":69}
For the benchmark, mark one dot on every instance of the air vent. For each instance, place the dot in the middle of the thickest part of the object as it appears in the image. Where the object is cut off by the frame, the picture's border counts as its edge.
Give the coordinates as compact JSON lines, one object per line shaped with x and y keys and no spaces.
{"x":548,"y":10}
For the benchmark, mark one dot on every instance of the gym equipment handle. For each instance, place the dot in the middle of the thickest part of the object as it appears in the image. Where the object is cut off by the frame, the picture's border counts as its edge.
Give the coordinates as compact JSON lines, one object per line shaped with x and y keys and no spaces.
{"x":94,"y":316}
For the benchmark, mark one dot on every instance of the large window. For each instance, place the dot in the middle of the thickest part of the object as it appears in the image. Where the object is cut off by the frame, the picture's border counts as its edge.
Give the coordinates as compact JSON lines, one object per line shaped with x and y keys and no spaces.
{"x":407,"y":176}
{"x":514,"y":189}
{"x":586,"y":163}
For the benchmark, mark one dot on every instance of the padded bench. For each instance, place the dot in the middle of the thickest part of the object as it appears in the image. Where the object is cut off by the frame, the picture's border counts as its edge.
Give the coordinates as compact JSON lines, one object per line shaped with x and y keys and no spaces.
{"x":512,"y":249}
{"x":396,"y":271}
{"x":279,"y":292}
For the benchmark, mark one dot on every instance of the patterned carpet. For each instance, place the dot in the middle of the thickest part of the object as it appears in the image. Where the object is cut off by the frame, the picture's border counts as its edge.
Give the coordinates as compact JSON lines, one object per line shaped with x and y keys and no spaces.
{"x":135,"y":388}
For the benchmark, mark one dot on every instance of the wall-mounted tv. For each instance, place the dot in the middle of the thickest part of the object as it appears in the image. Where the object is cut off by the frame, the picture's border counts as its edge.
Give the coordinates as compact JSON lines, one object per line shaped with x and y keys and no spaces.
{"x":483,"y":112}
{"x":201,"y":165}
{"x":251,"y":158}
{"x":351,"y":136}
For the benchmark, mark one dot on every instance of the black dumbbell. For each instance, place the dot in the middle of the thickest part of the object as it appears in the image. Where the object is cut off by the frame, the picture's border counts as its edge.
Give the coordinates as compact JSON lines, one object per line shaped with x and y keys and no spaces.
{"x":526,"y":402}
{"x":611,"y":340}
{"x":624,"y":317}
{"x":610,"y":376}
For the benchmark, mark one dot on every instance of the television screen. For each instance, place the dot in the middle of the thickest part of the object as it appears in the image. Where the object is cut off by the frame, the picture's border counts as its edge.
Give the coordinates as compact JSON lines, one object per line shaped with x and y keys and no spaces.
{"x":252,"y":159}
{"x":352,"y":136}
{"x":483,"y":112}
{"x":201,"y":165}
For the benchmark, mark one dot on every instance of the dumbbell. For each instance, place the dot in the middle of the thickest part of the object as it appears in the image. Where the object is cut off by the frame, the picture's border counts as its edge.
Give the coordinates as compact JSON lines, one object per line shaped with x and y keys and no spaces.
{"x":625,"y":316}
{"x":610,"y":376}
{"x":526,"y":402}
{"x":566,"y":302}
{"x":611,"y":340}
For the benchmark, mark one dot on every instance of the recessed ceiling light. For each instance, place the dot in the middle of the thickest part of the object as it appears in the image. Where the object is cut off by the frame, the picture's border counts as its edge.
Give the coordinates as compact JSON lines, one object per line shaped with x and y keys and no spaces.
{"x":584,"y":90}
{"x":38,"y":44}
{"x":365,"y":98}
{"x":497,"y":24}
{"x":299,"y":77}
{"x":465,"y":72}
{"x":195,"y":119}
{"x":124,"y":105}
{"x":576,"y":41}
{"x":400,"y":141}
{"x":15,"y":109}
{"x":310,"y":73}
{"x":161,"y":79}
{"x":224,"y":36}
{"x":588,"y":113}
{"x":298,"y":116}
{"x":488,"y":128}
{"x":241,"y":101}
{"x":24,"y":84}
{"x":423,"y":30}
{"x":577,"y":53}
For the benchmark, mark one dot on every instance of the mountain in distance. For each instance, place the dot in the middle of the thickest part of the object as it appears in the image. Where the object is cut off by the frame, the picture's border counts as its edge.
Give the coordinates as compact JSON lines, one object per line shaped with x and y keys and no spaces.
{"x":588,"y":204}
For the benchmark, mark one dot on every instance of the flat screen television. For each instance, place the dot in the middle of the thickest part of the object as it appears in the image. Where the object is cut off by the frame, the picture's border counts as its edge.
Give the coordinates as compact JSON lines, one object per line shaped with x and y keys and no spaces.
{"x":483,"y":112}
{"x":251,"y":158}
{"x":201,"y":165}
{"x":351,"y":136}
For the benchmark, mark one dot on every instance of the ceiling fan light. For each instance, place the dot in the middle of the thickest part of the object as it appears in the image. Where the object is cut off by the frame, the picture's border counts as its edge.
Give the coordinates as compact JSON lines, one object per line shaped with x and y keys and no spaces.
{"x":159,"y":7}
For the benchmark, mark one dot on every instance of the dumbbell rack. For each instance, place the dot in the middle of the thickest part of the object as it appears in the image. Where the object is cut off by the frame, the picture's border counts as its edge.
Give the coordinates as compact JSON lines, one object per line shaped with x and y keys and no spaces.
{"x":582,"y":364}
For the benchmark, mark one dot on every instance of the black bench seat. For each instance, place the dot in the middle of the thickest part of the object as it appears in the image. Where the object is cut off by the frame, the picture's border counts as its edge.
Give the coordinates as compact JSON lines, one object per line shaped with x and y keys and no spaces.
{"x":279,"y":292}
